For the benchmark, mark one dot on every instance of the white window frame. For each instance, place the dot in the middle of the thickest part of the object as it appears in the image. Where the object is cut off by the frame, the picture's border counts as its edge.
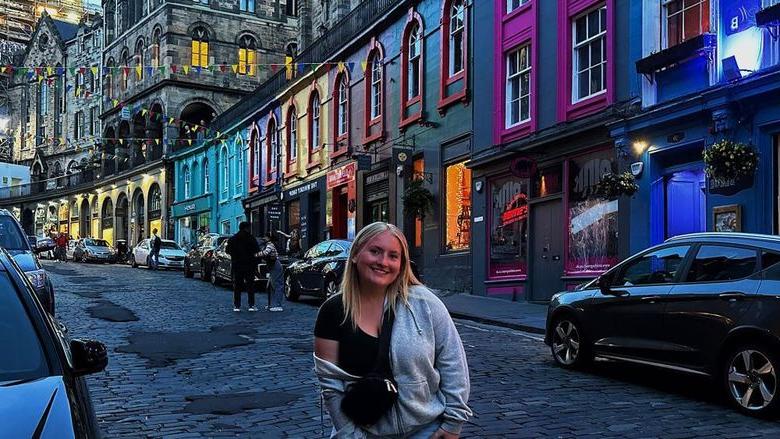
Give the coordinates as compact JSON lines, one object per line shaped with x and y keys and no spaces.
{"x":187,"y":182}
{"x":292,"y":141}
{"x":225,"y":172}
{"x":206,"y":182}
{"x":599,"y":38}
{"x":343,"y":107}
{"x":457,"y":31}
{"x":523,"y":95}
{"x":256,"y":153}
{"x":665,"y":20}
{"x":239,"y":165}
{"x":376,"y":86}
{"x":511,"y":5}
{"x":315,"y":122}
{"x":414,"y":61}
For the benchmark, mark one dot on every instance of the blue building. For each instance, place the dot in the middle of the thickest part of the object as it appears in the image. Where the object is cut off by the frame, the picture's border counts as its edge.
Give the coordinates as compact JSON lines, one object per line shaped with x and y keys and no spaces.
{"x":715,"y":79}
{"x":209,"y":186}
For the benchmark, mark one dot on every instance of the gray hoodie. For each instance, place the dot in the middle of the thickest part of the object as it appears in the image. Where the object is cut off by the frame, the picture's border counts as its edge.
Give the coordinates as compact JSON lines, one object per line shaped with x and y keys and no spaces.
{"x":429,"y":366}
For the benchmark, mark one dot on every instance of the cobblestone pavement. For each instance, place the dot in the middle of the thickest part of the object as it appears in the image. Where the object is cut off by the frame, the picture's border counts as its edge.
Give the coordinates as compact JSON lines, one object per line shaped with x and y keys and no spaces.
{"x":182,"y":364}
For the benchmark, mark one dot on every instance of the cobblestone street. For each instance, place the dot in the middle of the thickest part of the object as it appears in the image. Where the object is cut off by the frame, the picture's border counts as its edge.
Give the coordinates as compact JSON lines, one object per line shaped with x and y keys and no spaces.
{"x":182,"y":364}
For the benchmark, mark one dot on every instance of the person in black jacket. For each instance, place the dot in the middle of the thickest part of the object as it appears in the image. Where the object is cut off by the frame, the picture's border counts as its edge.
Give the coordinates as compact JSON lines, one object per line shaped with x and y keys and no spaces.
{"x":242,"y":248}
{"x":154,"y":256}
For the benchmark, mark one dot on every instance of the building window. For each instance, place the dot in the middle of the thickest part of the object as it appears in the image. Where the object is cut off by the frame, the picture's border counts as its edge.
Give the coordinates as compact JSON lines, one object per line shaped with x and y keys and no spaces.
{"x":511,"y":5}
{"x":457,"y":207}
{"x":685,"y":19}
{"x":91,"y":80}
{"x":225,"y":173}
{"x":342,"y":110}
{"x":239,"y":164}
{"x":108,"y":80}
{"x":247,"y":5}
{"x":156,"y":38}
{"x":43,"y":99}
{"x":93,"y":121}
{"x":414,"y":63}
{"x":592,"y":221}
{"x":125,"y":69}
{"x":206,"y":181}
{"x":247,"y":56}
{"x":255,"y":151}
{"x":518,"y":86}
{"x":203,"y":2}
{"x":508,"y":227}
{"x":226,"y":227}
{"x":457,"y":37}
{"x":200,"y":48}
{"x":590,"y":54}
{"x":292,"y":138}
{"x":375,"y":83}
{"x":291,"y":8}
{"x":187,"y":182}
{"x":78,"y":126}
{"x":272,"y":149}
{"x":314,"y":123}
{"x":139,"y":59}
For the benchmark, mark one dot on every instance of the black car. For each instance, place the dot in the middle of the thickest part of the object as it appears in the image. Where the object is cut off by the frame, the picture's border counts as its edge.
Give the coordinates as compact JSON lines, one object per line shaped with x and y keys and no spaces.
{"x":199,"y":259}
{"x":43,"y":391}
{"x":319,"y":272}
{"x":23,"y":250}
{"x":703,"y":303}
{"x":222,"y":268}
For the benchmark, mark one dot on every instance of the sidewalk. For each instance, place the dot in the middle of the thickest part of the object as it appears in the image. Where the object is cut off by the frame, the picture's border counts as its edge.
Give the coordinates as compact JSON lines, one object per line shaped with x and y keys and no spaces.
{"x":522,"y":316}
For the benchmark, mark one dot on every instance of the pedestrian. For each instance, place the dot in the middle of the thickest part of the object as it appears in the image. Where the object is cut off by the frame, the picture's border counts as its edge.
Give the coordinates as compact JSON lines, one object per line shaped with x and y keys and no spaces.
{"x":271,"y":258}
{"x":413,"y":384}
{"x":62,"y":244}
{"x":242,"y":248}
{"x":154,"y":256}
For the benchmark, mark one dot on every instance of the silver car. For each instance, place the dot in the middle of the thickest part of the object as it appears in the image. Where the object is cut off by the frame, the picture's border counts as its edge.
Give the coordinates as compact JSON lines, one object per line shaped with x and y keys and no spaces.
{"x":94,"y":250}
{"x":171,"y":255}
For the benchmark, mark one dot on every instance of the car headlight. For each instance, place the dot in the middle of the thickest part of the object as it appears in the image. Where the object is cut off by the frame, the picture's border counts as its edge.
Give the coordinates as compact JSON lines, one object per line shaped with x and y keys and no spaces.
{"x":556,"y":296}
{"x":37,"y":278}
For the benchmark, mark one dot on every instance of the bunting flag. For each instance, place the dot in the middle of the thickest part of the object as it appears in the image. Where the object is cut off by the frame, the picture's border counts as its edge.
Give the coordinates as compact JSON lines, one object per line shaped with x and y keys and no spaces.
{"x":288,"y":65}
{"x":94,"y":70}
{"x":138,"y":72}
{"x":197,"y":69}
{"x":364,"y":65}
{"x":301,"y":68}
{"x":341,"y":66}
{"x":186,"y":69}
{"x":351,"y":66}
{"x":235,"y":68}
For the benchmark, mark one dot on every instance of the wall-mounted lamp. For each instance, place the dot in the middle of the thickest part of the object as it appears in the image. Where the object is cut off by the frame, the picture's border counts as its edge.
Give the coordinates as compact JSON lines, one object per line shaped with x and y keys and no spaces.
{"x":639,"y":147}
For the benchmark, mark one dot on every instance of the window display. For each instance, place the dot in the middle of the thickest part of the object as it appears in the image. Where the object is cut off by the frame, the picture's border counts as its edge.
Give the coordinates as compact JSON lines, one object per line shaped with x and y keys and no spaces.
{"x":458,"y":207}
{"x":508,"y":227}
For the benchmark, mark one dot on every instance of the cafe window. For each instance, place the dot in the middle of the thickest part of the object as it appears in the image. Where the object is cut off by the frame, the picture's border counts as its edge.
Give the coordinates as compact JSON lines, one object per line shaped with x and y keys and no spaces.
{"x":592,"y":220}
{"x":458,"y":207}
{"x":509,"y":226}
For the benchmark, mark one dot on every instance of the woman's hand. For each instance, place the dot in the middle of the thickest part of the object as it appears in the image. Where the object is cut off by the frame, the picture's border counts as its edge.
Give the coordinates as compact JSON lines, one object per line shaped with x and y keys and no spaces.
{"x":442,"y":434}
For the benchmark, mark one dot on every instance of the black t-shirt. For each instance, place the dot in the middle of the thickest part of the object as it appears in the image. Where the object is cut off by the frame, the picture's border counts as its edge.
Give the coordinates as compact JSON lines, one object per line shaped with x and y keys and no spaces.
{"x":357,"y":350}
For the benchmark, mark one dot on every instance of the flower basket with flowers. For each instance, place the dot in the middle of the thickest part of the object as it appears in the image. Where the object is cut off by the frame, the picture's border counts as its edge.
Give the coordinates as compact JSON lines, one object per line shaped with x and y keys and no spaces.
{"x":613,"y":185}
{"x":417,"y":199}
{"x":727,"y":160}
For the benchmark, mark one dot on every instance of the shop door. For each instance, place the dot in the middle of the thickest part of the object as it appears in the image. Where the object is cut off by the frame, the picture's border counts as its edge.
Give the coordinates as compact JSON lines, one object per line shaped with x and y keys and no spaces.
{"x":547,"y":253}
{"x":340,"y":200}
{"x":313,"y":234}
{"x":678,"y":205}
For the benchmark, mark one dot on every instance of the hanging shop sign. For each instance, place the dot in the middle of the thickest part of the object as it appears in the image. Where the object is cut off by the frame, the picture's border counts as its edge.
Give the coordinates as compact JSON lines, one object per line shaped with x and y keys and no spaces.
{"x":274,"y":211}
{"x":342,"y":175}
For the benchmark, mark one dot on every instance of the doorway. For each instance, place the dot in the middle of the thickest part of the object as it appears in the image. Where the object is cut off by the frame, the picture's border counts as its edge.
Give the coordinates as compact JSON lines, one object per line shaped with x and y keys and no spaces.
{"x":678,"y":204}
{"x":313,"y":233}
{"x":547,"y":249}
{"x":340,"y":201}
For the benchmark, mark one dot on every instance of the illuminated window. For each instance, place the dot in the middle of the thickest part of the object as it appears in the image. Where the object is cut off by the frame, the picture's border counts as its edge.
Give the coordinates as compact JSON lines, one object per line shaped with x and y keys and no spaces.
{"x":247,"y":56}
{"x":685,"y":19}
{"x":200,"y":48}
{"x":508,"y":227}
{"x":590,"y":54}
{"x":246,"y":5}
{"x":518,"y":86}
{"x":419,"y":172}
{"x":458,"y":207}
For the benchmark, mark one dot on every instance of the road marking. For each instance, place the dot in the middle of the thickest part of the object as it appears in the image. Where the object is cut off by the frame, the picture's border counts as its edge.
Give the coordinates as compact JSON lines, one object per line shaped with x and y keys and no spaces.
{"x":487,"y":328}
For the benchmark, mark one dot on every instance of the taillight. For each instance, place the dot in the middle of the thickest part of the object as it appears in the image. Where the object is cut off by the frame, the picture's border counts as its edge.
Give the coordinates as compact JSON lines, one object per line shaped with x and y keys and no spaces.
{"x":209,"y":253}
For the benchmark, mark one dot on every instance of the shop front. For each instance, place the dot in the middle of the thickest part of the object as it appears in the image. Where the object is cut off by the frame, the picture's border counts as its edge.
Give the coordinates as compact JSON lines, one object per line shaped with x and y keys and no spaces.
{"x":74,"y":220}
{"x":264,"y":210}
{"x":342,"y":202}
{"x":192,"y":218}
{"x":376,"y":196}
{"x":64,"y":217}
{"x":303,"y":216}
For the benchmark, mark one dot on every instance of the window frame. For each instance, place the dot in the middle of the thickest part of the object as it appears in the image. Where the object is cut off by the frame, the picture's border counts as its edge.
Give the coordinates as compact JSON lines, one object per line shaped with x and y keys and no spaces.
{"x":511,"y":8}
{"x":247,"y":6}
{"x":247,"y":56}
{"x":291,"y":150}
{"x":187,"y":182}
{"x":447,"y":78}
{"x":315,"y":141}
{"x":374,"y":98}
{"x":239,"y":146}
{"x":155,"y":48}
{"x":138,"y":56}
{"x":272,"y":150}
{"x":521,"y":71}
{"x":341,"y":116}
{"x":664,"y":5}
{"x":206,"y":176}
{"x":443,"y":206}
{"x":409,"y":71}
{"x":601,"y":36}
{"x":254,"y":147}
{"x":683,"y":269}
{"x":199,"y":45}
{"x":224,"y":160}
{"x":757,"y":268}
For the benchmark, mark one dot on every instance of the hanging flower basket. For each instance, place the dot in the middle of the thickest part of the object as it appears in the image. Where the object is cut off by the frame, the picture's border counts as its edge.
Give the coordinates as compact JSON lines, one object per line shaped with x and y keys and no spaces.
{"x":417,"y":199}
{"x":613,"y":185}
{"x":727,"y":160}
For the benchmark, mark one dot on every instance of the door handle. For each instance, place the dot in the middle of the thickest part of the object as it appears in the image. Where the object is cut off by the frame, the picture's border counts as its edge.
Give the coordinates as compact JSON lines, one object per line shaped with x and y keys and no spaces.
{"x":650,"y":299}
{"x":732,"y":296}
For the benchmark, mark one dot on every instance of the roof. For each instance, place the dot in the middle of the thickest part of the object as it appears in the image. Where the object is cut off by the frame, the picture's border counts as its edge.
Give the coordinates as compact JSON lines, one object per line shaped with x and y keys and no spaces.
{"x":66,"y":30}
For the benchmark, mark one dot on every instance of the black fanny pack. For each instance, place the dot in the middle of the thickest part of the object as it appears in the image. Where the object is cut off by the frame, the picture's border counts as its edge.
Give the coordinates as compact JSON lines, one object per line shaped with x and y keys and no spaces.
{"x":369,"y":398}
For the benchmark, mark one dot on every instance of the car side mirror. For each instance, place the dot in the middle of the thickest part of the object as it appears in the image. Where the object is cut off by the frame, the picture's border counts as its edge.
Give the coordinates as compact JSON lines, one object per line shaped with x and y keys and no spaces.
{"x":604,"y":284}
{"x":89,"y":356}
{"x":33,"y":243}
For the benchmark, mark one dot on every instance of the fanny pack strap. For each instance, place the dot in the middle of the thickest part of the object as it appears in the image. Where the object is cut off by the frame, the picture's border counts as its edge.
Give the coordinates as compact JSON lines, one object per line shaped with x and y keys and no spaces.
{"x":382,"y":365}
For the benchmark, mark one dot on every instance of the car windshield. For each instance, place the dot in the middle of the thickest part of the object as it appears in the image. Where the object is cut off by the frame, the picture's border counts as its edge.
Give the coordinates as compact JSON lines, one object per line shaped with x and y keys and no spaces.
{"x":170,"y":245}
{"x":11,"y":238}
{"x":96,"y":243}
{"x":23,"y":357}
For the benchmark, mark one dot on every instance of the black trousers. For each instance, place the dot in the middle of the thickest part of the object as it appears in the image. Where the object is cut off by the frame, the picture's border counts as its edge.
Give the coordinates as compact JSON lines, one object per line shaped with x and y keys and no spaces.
{"x":243,"y":280}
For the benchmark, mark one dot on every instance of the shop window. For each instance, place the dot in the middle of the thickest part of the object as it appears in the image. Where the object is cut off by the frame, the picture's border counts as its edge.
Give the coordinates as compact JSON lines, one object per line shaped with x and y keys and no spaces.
{"x":293,"y":215}
{"x":419,"y":172}
{"x":457,"y":207}
{"x":684,"y":19}
{"x":509,"y":227}
{"x":592,"y":220}
{"x":548,"y":181}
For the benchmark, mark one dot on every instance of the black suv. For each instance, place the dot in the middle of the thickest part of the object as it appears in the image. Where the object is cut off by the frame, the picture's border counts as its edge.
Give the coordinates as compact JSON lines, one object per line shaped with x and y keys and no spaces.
{"x":15,"y":241}
{"x":704,"y":303}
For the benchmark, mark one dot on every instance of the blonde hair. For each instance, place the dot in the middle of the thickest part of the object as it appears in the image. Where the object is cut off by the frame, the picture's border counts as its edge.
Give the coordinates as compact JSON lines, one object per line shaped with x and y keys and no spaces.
{"x":350,"y":285}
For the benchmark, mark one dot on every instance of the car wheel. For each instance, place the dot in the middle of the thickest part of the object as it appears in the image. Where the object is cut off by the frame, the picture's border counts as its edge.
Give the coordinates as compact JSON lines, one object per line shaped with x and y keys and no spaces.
{"x":187,"y":271}
{"x":289,"y":293}
{"x":569,"y":347}
{"x":750,"y":379}
{"x":134,"y":264}
{"x":331,"y":288}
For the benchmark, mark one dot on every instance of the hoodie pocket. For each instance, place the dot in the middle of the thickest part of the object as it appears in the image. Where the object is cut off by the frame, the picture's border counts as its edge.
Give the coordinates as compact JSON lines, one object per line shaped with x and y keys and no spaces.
{"x":417,"y":405}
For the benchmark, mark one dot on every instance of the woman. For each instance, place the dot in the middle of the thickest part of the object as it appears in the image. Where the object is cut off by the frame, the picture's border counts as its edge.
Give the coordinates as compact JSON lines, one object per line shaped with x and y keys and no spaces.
{"x":426,"y":354}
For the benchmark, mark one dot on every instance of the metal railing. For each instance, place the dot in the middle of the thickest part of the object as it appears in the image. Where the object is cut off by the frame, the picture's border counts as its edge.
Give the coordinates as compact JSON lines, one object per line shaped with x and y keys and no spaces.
{"x":51,"y":186}
{"x":343,"y":33}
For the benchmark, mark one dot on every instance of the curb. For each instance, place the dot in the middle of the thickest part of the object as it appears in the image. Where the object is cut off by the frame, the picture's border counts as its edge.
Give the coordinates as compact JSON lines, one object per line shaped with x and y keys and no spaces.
{"x":487,"y":321}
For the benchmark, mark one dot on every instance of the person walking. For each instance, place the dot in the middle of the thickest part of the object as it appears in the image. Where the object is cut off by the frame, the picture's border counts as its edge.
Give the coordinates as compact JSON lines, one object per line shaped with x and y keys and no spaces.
{"x":271,"y":258}
{"x":386,"y":349}
{"x":243,"y":248}
{"x":62,"y":244}
{"x":154,"y":256}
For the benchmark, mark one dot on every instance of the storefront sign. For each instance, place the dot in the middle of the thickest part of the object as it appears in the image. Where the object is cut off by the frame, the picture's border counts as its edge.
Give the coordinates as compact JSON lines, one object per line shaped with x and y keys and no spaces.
{"x":274,"y":211}
{"x":342,"y":175}
{"x":730,"y":186}
{"x":740,"y":38}
{"x":189,"y":207}
{"x":402,"y":156}
{"x":302,"y":189}
{"x":376,"y":178}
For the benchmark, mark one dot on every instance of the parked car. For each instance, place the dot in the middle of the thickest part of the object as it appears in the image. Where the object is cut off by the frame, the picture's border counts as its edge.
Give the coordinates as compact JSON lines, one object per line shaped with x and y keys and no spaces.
{"x":319,"y":272}
{"x":69,"y":249}
{"x":94,"y":250}
{"x":45,"y":247}
{"x":702,"y":303}
{"x":15,"y":241}
{"x":222,"y":268}
{"x":199,"y":258}
{"x":171,"y":255}
{"x":42,"y":372}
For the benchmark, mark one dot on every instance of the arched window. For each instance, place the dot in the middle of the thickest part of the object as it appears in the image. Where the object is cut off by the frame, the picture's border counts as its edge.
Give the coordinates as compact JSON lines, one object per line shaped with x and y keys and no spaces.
{"x":247,"y":56}
{"x":456,"y":37}
{"x":156,"y":38}
{"x":225,"y":172}
{"x":155,"y":199}
{"x":239,"y":163}
{"x":341,"y":110}
{"x":139,"y":58}
{"x":453,"y":86}
{"x":292,"y":137}
{"x":374,"y":84}
{"x":314,"y":123}
{"x":254,"y":146}
{"x":200,"y":47}
{"x":187,"y":182}
{"x":272,"y":150}
{"x":194,"y":180}
{"x":412,"y":72}
{"x":206,"y":181}
{"x":108,"y":79}
{"x":125,"y":60}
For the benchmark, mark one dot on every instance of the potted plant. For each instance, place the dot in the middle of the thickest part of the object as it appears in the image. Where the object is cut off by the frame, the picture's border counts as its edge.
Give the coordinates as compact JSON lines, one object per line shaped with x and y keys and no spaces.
{"x":613,"y":185}
{"x":730,"y":161}
{"x":417,"y":199}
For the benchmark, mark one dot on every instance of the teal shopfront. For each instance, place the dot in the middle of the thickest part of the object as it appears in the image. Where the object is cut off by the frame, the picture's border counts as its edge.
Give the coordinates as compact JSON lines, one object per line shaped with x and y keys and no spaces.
{"x":193,"y":218}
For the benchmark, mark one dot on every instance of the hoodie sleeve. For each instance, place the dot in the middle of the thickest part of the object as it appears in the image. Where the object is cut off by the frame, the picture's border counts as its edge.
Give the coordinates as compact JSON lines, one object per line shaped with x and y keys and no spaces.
{"x":332,"y":391}
{"x":452,"y":366}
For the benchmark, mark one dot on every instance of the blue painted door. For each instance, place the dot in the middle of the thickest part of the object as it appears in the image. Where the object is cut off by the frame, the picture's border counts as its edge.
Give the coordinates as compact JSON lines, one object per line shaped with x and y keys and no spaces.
{"x":685,"y":203}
